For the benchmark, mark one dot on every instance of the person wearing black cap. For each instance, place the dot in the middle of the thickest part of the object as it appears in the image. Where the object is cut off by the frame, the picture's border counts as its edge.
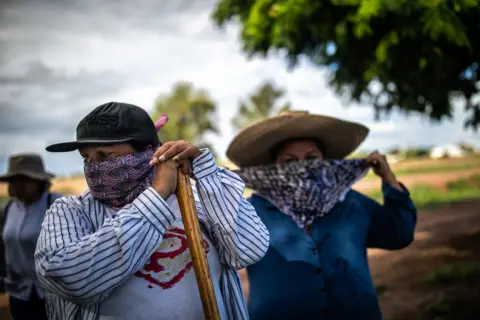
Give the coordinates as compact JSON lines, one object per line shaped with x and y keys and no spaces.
{"x":119,"y":250}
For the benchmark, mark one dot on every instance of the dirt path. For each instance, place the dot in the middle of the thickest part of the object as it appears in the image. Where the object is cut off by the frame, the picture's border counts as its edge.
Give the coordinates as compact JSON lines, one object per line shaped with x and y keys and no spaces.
{"x":438,"y":239}
{"x":445,"y":235}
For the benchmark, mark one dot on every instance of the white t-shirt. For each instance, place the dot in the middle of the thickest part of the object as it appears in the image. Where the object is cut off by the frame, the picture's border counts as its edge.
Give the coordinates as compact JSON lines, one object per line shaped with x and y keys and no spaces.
{"x":166,"y":287}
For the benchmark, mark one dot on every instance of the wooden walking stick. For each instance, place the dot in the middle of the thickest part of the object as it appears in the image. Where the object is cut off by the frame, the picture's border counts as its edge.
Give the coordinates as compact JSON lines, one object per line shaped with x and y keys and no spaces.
{"x":195,"y":244}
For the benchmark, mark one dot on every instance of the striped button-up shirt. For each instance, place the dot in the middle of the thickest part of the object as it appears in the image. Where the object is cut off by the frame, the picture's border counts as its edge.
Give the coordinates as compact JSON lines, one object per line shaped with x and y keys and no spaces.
{"x":84,"y":253}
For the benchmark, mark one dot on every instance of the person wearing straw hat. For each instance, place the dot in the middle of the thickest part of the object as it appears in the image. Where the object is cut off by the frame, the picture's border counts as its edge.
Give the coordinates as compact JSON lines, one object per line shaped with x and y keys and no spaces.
{"x":22,"y":216}
{"x":119,"y":250}
{"x":316,"y":266}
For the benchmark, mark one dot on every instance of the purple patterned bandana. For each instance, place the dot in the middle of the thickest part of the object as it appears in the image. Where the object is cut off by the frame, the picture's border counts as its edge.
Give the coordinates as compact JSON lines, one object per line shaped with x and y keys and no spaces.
{"x":307,"y":189}
{"x":119,"y":181}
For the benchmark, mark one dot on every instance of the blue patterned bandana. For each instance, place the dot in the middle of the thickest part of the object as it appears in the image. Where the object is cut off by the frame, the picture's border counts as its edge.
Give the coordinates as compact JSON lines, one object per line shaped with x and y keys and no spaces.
{"x":307,"y":189}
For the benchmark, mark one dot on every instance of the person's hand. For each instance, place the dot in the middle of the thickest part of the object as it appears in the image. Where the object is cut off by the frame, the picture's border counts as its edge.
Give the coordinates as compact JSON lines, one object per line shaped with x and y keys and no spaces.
{"x":165,"y":180}
{"x":378,"y":162}
{"x":182,"y":152}
{"x":167,"y":159}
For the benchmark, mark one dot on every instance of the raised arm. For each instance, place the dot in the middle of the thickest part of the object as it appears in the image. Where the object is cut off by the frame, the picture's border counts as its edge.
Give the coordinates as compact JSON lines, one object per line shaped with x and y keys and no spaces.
{"x":392,"y":225}
{"x":83,"y":266}
{"x":241,"y":237}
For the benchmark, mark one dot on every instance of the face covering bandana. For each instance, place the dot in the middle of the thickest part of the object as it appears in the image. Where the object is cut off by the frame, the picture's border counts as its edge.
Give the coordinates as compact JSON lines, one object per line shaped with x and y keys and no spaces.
{"x":119,"y":181}
{"x":305,"y":190}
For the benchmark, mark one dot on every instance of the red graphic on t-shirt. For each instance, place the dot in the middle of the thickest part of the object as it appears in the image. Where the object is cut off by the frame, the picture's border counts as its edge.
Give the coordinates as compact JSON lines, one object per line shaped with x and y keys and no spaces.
{"x":172,"y":260}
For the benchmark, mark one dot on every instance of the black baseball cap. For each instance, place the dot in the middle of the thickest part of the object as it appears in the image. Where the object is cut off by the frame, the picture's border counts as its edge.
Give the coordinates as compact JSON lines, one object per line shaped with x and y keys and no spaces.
{"x":111,"y":123}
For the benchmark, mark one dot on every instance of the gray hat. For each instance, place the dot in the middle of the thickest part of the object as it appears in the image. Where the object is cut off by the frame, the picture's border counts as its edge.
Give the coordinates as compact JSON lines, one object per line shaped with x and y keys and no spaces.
{"x":26,"y":164}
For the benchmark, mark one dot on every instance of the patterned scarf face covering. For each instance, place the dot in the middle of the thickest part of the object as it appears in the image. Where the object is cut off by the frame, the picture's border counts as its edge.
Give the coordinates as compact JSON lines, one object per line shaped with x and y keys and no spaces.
{"x":119,"y":181}
{"x":305,"y":190}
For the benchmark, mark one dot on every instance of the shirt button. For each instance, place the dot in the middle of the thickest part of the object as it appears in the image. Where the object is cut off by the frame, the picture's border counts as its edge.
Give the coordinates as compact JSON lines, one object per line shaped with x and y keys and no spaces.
{"x":314,"y":251}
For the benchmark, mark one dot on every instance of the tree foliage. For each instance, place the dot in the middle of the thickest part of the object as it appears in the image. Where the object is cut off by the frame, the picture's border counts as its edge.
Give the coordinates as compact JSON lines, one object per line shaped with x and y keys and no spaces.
{"x":191,"y":114}
{"x":394,"y":54}
{"x":261,"y":104}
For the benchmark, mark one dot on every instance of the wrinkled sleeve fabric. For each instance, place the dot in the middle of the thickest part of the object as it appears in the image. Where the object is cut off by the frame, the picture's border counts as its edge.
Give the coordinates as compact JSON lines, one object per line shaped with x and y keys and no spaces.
{"x":392,"y":225}
{"x":82,"y":265}
{"x":239,"y":234}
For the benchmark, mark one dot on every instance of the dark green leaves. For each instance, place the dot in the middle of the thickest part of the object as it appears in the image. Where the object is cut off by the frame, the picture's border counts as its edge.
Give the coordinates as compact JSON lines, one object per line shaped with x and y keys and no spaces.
{"x":420,"y":48}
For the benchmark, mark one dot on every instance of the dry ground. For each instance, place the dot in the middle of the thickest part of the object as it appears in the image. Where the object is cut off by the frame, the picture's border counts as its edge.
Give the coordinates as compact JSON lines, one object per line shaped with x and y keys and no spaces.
{"x":447,"y":235}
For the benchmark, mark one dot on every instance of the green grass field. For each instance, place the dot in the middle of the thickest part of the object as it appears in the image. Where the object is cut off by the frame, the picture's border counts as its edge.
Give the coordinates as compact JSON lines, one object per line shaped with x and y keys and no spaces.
{"x":427,"y":196}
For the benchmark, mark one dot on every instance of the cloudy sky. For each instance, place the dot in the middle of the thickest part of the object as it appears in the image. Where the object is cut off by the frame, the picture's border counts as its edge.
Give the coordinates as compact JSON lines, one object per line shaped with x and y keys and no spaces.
{"x":59,"y":59}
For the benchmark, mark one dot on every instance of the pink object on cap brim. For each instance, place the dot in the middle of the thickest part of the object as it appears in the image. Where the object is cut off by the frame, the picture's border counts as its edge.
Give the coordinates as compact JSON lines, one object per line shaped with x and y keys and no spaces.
{"x":162,"y":119}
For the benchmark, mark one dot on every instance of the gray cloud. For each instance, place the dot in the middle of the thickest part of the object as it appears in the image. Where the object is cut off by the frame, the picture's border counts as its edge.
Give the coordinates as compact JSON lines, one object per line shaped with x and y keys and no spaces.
{"x":44,"y":87}
{"x":109,"y":16}
{"x":32,"y":30}
{"x":42,"y":103}
{"x":47,"y":100}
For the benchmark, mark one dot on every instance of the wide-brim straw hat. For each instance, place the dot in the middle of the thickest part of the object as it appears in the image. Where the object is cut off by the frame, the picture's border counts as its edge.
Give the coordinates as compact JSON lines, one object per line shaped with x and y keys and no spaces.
{"x":28,"y":165}
{"x":253,"y":145}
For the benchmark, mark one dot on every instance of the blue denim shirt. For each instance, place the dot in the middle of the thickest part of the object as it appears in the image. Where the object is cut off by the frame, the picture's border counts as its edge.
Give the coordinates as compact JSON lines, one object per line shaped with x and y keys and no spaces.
{"x":20,"y":235}
{"x":326,"y":275}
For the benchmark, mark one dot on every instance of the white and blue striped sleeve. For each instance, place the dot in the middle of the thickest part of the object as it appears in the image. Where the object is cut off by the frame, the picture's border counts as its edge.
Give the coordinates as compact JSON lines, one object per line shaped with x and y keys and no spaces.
{"x":82,"y":265}
{"x":241,"y":237}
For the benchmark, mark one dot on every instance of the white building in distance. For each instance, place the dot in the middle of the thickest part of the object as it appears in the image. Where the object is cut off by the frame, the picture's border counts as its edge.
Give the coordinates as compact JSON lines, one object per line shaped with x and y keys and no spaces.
{"x":447,"y":151}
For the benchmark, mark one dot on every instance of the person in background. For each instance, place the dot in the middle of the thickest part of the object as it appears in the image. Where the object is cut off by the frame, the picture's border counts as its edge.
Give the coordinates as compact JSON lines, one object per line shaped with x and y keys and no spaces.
{"x":28,"y":188}
{"x":316,"y":266}
{"x":119,"y":250}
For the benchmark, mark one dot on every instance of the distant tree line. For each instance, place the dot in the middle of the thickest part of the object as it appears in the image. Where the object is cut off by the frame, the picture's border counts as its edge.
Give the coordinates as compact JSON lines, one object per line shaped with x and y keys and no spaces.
{"x":193,"y":112}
